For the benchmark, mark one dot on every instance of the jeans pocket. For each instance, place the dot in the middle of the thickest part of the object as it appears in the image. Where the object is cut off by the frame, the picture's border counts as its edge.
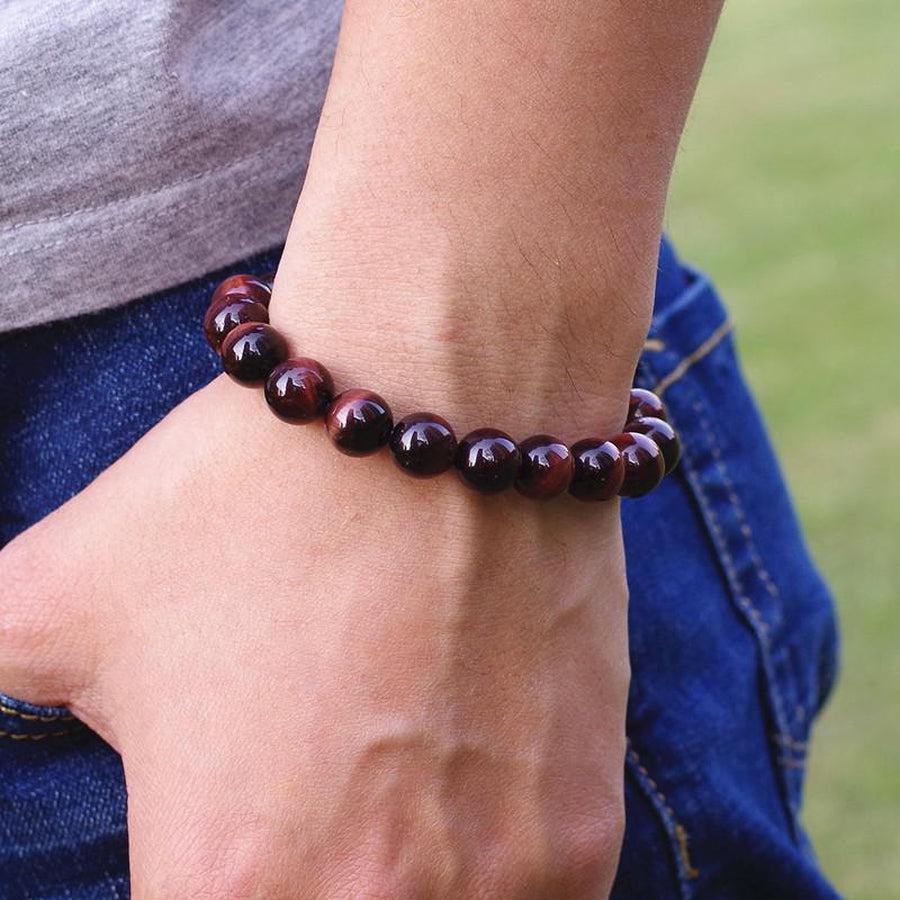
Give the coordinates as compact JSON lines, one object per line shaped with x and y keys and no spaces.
{"x":732,"y":630}
{"x":735,"y":480}
{"x":23,"y":722}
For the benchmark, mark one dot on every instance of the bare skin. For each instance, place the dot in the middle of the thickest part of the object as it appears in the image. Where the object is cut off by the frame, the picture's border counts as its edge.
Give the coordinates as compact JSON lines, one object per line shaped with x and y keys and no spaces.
{"x":327,"y":680}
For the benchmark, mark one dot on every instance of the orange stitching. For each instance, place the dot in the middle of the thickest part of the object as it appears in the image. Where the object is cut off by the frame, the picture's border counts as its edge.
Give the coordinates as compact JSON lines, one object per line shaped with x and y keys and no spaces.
{"x":704,"y":349}
{"x":681,"y":835}
{"x":36,"y":737}
{"x":32,"y":717}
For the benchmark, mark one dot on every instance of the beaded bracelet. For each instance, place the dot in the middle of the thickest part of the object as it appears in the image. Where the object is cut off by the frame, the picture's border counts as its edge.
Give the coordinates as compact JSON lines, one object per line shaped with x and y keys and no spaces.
{"x":360,"y":422}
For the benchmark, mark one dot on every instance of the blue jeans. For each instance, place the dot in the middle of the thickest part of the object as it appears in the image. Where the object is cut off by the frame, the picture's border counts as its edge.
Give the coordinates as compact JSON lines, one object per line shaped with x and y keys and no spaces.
{"x":733,"y":639}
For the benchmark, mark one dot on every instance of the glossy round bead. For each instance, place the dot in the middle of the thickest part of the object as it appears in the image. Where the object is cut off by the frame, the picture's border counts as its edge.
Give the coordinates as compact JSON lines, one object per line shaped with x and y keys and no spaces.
{"x":359,"y":422}
{"x":423,"y":445}
{"x":663,"y":435}
{"x":645,"y":403}
{"x":227,"y":314}
{"x":488,"y":460}
{"x":644,"y":463}
{"x":299,"y":390}
{"x":546,"y":468}
{"x":251,"y":351}
{"x":250,"y":286}
{"x":599,"y":470}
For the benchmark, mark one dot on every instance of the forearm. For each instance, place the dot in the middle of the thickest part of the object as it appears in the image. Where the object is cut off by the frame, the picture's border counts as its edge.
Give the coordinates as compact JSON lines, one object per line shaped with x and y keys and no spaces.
{"x":479,"y":227}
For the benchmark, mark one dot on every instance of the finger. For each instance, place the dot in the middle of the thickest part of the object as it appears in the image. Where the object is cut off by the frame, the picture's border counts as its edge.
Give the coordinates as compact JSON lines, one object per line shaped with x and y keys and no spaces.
{"x":47,"y":617}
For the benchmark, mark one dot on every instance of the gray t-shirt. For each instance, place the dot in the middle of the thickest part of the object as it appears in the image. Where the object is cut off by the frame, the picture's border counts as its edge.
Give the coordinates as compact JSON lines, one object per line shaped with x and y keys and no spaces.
{"x":143,"y":144}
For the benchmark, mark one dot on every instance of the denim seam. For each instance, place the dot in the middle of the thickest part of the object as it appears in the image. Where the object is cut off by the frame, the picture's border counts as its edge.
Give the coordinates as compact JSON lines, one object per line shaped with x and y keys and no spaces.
{"x":675,"y":831}
{"x":760,"y":627}
{"x":683,"y":365}
{"x":784,"y":743}
{"x":34,"y":717}
{"x":785,"y":737}
{"x":37,"y":736}
{"x":746,"y":531}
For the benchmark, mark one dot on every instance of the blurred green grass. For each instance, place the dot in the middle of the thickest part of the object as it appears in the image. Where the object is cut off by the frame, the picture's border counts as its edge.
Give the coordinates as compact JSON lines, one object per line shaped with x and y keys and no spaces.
{"x":787,"y":191}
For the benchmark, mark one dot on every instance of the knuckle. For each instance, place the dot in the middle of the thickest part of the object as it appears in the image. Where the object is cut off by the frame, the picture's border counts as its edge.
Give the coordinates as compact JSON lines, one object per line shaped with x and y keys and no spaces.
{"x":587,"y":857}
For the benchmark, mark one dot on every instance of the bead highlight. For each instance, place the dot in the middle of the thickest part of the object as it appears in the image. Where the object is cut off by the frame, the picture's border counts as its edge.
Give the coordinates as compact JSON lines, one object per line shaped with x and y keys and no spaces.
{"x":644,"y":464}
{"x":423,"y":445}
{"x":299,"y":390}
{"x":248,"y":286}
{"x":359,"y":422}
{"x":224,"y":316}
{"x":250,"y":352}
{"x":642,"y":402}
{"x":488,"y":460}
{"x":663,"y":435}
{"x":546,"y":469}
{"x":599,"y":470}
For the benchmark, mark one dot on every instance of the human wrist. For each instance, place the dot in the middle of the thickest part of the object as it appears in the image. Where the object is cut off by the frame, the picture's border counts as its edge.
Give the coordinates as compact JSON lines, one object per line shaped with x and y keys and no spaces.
{"x":483,"y":331}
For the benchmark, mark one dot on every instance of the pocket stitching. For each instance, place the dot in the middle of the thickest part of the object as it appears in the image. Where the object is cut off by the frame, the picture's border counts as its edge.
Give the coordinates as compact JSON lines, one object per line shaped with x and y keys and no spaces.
{"x":38,"y":735}
{"x":760,"y":627}
{"x":34,"y":717}
{"x":675,"y":831}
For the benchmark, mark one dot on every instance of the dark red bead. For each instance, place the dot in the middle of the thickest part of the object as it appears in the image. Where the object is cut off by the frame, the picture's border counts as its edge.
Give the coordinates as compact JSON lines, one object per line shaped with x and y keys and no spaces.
{"x":488,"y":460}
{"x":359,"y":422}
{"x":546,"y":468}
{"x":227,"y":314}
{"x":644,"y":463}
{"x":250,"y":286}
{"x":645,"y":403}
{"x":251,"y":351}
{"x":423,"y":444}
{"x":599,"y":470}
{"x":663,"y":435}
{"x":299,"y":390}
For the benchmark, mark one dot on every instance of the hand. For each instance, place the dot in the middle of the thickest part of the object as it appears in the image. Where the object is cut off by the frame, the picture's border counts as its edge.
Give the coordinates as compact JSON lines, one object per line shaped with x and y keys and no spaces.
{"x":326,"y":679}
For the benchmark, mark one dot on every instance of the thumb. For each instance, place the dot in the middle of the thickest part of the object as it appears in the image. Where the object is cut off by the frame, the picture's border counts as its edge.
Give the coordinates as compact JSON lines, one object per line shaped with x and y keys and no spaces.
{"x":47,"y":644}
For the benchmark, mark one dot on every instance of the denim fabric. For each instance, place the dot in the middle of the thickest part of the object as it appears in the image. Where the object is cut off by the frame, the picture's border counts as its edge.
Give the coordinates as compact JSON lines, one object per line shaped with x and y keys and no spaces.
{"x":733,"y":640}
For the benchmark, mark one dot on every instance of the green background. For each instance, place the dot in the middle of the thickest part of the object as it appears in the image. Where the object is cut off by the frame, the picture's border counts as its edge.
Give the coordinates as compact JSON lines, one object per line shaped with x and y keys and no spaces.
{"x":787,"y":191}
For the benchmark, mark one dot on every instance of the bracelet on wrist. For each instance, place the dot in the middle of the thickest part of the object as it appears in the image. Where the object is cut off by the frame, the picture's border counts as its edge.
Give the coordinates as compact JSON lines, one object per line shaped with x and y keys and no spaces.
{"x":360,"y":422}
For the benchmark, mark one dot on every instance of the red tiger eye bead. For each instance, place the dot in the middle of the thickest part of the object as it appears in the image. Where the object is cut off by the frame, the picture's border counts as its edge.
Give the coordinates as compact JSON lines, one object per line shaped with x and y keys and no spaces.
{"x":599,"y":470}
{"x":423,"y":445}
{"x":299,"y":390}
{"x":227,"y":314}
{"x":251,"y":351}
{"x":644,"y":463}
{"x":645,"y":403}
{"x":488,"y":460}
{"x":546,"y":469}
{"x":250,"y":286}
{"x":663,"y":435}
{"x":359,"y":422}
